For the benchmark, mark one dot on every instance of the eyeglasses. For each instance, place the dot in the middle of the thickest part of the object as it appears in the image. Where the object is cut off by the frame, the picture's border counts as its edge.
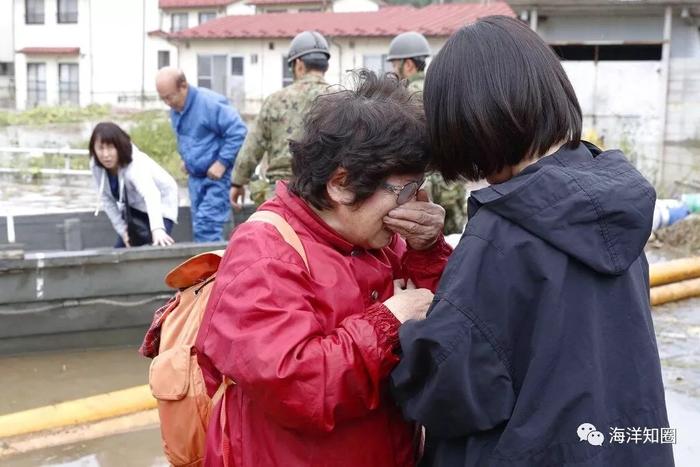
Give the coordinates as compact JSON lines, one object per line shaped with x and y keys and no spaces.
{"x":404,"y":193}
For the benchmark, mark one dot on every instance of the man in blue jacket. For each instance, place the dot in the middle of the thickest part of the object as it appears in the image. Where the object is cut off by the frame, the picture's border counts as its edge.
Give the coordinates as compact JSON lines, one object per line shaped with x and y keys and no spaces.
{"x":209,"y":134}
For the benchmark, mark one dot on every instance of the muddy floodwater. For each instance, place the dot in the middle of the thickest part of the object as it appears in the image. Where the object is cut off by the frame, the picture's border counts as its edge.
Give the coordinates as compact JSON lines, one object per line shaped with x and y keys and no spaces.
{"x":138,"y":449}
{"x":24,"y":195}
{"x":38,"y":379}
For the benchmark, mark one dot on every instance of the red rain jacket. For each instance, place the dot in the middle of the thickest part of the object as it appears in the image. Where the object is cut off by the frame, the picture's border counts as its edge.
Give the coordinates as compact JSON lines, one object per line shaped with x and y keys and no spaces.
{"x":310,"y":353}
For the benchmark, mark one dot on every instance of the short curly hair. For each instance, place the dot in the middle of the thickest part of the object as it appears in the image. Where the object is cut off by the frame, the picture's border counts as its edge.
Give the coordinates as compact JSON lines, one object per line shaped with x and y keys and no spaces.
{"x":376,"y":130}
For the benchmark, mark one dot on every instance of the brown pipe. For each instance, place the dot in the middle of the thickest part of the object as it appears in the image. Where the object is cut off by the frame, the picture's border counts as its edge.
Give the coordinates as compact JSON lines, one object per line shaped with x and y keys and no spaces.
{"x":674,"y":292}
{"x":674,"y":271}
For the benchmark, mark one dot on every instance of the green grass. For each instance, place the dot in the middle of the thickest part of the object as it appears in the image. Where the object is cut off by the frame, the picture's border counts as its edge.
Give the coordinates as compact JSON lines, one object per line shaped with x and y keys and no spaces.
{"x":45,"y":115}
{"x":154,"y":136}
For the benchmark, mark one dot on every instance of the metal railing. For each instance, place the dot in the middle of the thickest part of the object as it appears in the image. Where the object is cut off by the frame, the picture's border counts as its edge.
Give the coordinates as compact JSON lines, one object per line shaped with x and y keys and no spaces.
{"x":68,"y":156}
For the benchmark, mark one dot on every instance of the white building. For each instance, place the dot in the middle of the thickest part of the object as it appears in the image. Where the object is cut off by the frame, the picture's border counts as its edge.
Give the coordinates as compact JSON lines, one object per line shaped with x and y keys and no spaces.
{"x":78,"y":52}
{"x":245,"y":58}
{"x":635,"y":67}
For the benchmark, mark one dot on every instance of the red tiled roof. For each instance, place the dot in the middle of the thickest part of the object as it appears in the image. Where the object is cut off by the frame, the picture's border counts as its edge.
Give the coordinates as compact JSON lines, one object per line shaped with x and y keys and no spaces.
{"x":165,"y":4}
{"x":50,"y":50}
{"x":157,"y":33}
{"x":433,"y":20}
{"x":284,"y":2}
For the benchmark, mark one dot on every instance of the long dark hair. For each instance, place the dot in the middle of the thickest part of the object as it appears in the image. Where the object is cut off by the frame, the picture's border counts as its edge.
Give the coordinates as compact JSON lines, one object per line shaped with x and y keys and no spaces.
{"x":497,"y":94}
{"x":111,"y":133}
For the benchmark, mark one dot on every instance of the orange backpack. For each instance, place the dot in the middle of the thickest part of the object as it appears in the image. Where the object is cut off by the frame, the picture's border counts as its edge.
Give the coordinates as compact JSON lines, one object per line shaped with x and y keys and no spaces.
{"x":175,"y":377}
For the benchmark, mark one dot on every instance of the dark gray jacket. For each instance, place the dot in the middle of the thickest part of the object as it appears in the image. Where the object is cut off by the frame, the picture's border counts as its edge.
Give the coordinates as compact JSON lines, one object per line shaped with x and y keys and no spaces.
{"x":542,"y":323}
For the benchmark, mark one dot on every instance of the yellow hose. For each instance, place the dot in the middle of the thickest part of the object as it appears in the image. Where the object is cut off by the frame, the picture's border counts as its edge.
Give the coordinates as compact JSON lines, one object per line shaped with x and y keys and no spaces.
{"x":674,"y":292}
{"x":674,"y":271}
{"x":89,"y":409}
{"x":78,"y":433}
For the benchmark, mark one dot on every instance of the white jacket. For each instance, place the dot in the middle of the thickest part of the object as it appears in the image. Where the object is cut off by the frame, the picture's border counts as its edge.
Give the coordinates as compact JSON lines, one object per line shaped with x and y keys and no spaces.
{"x":149,"y":188}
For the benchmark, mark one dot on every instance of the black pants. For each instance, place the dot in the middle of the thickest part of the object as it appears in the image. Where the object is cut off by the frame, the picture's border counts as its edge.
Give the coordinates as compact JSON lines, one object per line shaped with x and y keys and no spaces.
{"x":167,"y":223}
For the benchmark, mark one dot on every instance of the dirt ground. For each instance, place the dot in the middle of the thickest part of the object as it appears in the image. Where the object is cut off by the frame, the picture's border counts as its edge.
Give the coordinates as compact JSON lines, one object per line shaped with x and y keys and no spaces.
{"x":683,"y":236}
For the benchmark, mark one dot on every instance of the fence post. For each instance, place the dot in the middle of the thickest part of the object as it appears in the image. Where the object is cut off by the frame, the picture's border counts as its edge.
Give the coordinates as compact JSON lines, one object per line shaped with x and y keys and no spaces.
{"x":72,"y":235}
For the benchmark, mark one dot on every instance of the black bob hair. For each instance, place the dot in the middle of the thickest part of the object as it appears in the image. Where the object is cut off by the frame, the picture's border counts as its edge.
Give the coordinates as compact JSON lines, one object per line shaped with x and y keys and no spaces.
{"x":111,"y":133}
{"x":495,"y":95}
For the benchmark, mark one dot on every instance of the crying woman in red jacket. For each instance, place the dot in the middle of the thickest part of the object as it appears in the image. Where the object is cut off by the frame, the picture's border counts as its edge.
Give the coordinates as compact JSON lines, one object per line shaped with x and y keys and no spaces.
{"x":310,"y":350}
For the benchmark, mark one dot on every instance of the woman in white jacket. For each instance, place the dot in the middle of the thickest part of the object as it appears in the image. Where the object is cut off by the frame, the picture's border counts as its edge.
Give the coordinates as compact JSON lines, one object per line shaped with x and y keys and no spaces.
{"x":138,"y":195}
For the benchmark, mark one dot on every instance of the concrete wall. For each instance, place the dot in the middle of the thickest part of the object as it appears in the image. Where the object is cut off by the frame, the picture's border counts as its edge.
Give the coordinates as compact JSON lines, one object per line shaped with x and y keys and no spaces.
{"x":627,"y":103}
{"x":684,"y":100}
{"x":581,"y":28}
{"x":685,"y":39}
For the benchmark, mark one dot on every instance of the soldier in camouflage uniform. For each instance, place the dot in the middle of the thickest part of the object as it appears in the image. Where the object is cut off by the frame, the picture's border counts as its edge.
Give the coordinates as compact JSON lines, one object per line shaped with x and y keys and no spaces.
{"x":407,"y":54}
{"x":280,"y":119}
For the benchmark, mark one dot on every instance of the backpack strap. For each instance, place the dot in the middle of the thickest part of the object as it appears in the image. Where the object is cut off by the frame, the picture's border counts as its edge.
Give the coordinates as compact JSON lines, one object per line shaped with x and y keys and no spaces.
{"x":196,"y":269}
{"x":291,"y":237}
{"x":283,"y":227}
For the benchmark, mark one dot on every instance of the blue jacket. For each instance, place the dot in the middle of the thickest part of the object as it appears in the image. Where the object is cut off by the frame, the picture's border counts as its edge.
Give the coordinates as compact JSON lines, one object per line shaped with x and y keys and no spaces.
{"x":542,"y":323}
{"x":207,"y":129}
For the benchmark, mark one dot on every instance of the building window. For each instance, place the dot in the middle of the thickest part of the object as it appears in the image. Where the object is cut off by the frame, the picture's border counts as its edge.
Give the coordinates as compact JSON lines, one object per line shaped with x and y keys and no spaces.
{"x":377,"y":63}
{"x":7,"y":69}
{"x":236,"y":66}
{"x":179,"y":22}
{"x":278,"y":10}
{"x":211,"y":72}
{"x":68,"y":84}
{"x":310,"y":10}
{"x":163,"y":58}
{"x":205,"y":16}
{"x":34,"y":11}
{"x":67,"y":11}
{"x":287,"y":75}
{"x":36,"y":84}
{"x":621,"y":52}
{"x":204,"y":71}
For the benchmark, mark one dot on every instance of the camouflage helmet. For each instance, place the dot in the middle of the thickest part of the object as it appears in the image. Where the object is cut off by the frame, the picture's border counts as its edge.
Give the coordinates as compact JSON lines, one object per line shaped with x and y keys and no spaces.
{"x":308,"y":44}
{"x":408,"y":45}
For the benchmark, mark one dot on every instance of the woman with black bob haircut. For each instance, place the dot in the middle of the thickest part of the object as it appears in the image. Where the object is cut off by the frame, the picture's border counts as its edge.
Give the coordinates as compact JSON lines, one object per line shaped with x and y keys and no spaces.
{"x":138,"y":195}
{"x":310,"y":346}
{"x":539,"y":342}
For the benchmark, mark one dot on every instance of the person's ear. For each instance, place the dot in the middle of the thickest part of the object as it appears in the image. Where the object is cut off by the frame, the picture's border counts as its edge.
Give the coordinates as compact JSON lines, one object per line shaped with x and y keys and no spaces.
{"x":337,"y":188}
{"x":299,"y":68}
{"x":410,"y":66}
